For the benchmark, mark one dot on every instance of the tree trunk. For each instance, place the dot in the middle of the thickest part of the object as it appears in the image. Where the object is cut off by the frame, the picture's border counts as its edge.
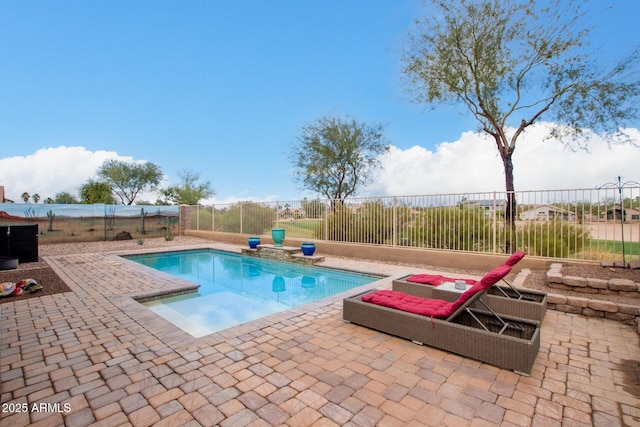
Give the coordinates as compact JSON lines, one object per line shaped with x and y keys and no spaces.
{"x":510,"y":210}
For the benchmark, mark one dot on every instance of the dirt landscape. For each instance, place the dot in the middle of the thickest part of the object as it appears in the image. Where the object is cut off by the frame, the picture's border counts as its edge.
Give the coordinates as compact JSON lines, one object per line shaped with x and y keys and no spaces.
{"x":50,"y":281}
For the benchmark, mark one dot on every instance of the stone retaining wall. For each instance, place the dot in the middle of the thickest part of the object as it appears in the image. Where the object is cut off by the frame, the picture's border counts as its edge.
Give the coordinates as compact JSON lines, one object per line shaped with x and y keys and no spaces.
{"x":587,"y":306}
{"x":282,"y":253}
{"x":623,"y":287}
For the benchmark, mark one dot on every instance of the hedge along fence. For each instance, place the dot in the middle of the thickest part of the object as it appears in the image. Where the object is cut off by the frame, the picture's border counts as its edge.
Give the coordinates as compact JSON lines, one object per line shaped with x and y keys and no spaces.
{"x":66,"y":223}
{"x":575,"y":224}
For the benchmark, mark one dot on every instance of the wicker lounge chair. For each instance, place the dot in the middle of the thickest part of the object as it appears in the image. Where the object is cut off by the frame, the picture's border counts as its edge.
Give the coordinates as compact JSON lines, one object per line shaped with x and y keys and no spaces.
{"x":506,"y":300}
{"x":507,"y":342}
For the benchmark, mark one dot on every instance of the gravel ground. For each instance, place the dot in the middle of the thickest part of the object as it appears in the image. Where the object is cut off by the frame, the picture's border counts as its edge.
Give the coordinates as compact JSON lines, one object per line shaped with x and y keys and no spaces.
{"x":52,"y":284}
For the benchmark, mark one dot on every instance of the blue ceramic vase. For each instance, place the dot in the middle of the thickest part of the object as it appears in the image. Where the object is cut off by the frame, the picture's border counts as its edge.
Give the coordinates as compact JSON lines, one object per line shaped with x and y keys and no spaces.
{"x":308,"y":248}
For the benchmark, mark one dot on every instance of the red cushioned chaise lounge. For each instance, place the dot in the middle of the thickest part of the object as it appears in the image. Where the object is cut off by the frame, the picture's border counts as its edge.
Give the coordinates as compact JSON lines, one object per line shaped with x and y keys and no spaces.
{"x":507,"y":299}
{"x":504,"y":341}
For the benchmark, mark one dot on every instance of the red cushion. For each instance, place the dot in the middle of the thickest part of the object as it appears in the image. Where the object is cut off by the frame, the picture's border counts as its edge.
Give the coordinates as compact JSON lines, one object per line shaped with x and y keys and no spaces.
{"x":435,"y":279}
{"x":495,"y":275}
{"x":410,"y":303}
{"x":434,"y":307}
{"x":426,"y":279}
{"x":515,"y":258}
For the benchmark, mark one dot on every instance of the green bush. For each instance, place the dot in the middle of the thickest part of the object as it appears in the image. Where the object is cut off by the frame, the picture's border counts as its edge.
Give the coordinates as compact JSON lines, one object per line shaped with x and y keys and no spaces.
{"x":370,"y":222}
{"x":453,"y":228}
{"x":201,"y":218}
{"x":337,"y":223}
{"x":556,"y":239}
{"x":256,"y":219}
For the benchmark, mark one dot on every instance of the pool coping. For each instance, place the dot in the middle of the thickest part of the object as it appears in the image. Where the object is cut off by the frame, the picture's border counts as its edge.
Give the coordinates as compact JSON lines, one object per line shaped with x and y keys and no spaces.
{"x":131,"y":303}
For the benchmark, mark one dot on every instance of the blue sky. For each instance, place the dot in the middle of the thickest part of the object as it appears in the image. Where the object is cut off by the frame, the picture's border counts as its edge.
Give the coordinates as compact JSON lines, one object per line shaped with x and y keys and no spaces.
{"x":223,"y":88}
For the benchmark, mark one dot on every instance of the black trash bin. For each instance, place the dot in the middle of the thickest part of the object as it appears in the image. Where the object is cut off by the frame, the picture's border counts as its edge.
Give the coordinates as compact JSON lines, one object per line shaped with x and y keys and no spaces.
{"x":4,"y":241}
{"x":19,"y":242}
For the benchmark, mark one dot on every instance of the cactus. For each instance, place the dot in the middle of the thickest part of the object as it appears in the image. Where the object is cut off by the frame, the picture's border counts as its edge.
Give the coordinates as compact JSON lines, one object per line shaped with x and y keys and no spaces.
{"x":110,"y":219}
{"x":169,"y":234}
{"x":51,"y":217}
{"x":143,"y":214}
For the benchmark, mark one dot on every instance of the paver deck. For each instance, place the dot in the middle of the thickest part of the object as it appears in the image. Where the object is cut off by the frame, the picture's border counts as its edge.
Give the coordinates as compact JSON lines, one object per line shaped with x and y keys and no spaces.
{"x":94,"y":356}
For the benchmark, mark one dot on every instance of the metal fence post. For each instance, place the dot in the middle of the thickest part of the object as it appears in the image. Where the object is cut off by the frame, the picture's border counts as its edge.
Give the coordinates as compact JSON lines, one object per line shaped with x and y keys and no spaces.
{"x":495,"y":224}
{"x":326,"y":220}
{"x":395,"y":222}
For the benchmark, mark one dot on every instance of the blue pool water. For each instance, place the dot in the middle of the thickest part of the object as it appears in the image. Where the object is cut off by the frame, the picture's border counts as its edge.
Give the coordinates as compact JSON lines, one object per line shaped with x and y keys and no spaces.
{"x":235,"y":289}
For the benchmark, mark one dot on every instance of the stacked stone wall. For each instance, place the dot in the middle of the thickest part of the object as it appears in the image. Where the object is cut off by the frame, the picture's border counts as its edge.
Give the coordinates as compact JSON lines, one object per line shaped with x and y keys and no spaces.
{"x":590,"y":306}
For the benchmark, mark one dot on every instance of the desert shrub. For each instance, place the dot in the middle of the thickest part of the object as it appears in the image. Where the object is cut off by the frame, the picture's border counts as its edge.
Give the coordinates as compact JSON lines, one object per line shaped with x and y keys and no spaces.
{"x":557,"y":239}
{"x":336,"y":227}
{"x":369,"y":222}
{"x":314,"y":209}
{"x":598,"y":254}
{"x":453,"y":228}
{"x":201,"y":218}
{"x":251,"y":218}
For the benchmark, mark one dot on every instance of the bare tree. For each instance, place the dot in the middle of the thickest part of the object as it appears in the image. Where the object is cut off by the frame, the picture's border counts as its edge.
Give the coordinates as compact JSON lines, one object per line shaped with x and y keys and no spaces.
{"x":509,"y":62}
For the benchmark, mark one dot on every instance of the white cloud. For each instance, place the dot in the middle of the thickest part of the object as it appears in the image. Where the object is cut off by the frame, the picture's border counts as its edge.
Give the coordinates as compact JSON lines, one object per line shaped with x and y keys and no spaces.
{"x":49,"y":171}
{"x":235,"y":199}
{"x":472,"y":164}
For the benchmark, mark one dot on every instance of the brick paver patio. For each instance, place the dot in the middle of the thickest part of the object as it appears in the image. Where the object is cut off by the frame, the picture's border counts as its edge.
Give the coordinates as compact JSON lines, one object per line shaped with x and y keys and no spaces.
{"x":95,"y":356}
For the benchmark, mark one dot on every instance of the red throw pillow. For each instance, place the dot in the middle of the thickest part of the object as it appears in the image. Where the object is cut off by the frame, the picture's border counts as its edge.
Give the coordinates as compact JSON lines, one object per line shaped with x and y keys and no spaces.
{"x":426,"y":279}
{"x":435,"y":279}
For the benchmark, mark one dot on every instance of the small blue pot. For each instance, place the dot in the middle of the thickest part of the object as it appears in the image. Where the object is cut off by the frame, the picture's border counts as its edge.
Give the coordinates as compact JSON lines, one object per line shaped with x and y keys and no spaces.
{"x":254,"y":242}
{"x":308,"y":248}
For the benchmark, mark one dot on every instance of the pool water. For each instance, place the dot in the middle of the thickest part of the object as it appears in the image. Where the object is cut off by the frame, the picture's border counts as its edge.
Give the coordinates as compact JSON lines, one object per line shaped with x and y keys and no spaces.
{"x":235,"y":289}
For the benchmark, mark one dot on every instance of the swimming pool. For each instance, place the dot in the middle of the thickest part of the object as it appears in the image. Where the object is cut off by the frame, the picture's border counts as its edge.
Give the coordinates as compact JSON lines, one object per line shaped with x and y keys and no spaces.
{"x":235,"y":289}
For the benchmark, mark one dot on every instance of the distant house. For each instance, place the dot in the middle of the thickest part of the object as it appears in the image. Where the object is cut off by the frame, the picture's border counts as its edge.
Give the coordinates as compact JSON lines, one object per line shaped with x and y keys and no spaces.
{"x":629,"y":214}
{"x":291,"y":213}
{"x":489,"y":206}
{"x":546,"y":213}
{"x":2,"y":199}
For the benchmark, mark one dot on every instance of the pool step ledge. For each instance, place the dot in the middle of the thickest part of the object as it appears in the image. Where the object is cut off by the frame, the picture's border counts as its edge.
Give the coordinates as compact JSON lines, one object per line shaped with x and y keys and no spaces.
{"x":283,"y":253}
